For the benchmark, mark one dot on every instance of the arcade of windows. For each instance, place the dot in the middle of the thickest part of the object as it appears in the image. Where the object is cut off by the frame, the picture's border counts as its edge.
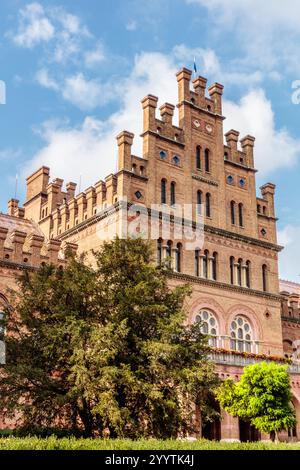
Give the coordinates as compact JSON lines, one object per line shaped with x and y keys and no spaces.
{"x":206,"y":159}
{"x":240,"y":336}
{"x":206,"y":264}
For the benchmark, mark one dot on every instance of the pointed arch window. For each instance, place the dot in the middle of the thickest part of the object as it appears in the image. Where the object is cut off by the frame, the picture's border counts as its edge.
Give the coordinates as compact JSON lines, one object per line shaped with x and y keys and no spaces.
{"x":231,"y":270}
{"x":208,"y":205}
{"x":241,"y":221}
{"x":248,"y":274}
{"x":199,"y":202}
{"x":198,"y":157}
{"x":205,"y":264}
{"x":239,"y":272}
{"x":232,"y":212}
{"x":178,"y":260}
{"x":172,"y":194}
{"x":163,"y":191}
{"x":197,"y":263}
{"x":159,"y":251}
{"x":264,"y":277}
{"x":207,"y":160}
{"x":214,"y":266}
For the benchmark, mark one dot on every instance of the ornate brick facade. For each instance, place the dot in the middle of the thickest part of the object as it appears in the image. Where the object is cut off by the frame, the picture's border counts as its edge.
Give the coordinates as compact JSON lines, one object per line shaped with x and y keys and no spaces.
{"x":234,"y":272}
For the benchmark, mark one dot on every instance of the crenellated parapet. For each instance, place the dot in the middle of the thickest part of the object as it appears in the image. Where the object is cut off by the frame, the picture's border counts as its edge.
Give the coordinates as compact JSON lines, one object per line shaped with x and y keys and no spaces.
{"x":22,"y":249}
{"x":242,"y":156}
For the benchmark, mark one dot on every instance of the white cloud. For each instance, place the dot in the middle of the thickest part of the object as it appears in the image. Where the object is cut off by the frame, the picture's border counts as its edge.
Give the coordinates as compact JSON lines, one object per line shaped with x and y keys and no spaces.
{"x":44,"y":79}
{"x":87,"y":94}
{"x":253,"y":114}
{"x":289,"y":258}
{"x":208,"y":64}
{"x":54,"y":27}
{"x":95,"y":56}
{"x":90,"y":149}
{"x":267,"y":31}
{"x":34,"y":26}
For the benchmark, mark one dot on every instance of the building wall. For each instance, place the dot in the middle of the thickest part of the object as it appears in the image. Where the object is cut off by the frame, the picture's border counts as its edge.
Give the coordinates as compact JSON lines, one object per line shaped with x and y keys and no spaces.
{"x":245,"y":245}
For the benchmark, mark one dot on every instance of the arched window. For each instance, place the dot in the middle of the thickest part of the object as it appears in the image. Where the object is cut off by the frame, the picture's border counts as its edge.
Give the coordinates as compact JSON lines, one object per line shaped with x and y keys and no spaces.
{"x":264,"y":277}
{"x":241,"y":334}
{"x":205,"y":264}
{"x":258,"y":208}
{"x":214,"y":266}
{"x":133,"y":168}
{"x":232,"y":212}
{"x":199,"y":202}
{"x":172,"y":194}
{"x":206,"y":160}
{"x":198,"y":157}
{"x":178,"y":258}
{"x":169,"y":253}
{"x":208,"y":326}
{"x":159,"y":251}
{"x":241,"y":222}
{"x":248,"y":274}
{"x":197,"y":261}
{"x":231,"y":270}
{"x":239,"y":272}
{"x":163,"y":191}
{"x":207,"y":204}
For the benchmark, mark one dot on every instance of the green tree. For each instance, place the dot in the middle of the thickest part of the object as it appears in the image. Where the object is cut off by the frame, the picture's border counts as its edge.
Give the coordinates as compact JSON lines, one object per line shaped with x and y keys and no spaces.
{"x":104,"y":348}
{"x":262,"y":397}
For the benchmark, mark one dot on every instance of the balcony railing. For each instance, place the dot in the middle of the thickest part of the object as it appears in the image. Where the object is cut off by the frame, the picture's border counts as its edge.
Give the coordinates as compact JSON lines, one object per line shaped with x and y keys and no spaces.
{"x":233,"y":359}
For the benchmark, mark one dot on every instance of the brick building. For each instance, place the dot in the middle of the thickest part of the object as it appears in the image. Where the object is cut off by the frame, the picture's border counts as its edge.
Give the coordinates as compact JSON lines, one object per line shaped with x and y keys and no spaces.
{"x":232,"y":267}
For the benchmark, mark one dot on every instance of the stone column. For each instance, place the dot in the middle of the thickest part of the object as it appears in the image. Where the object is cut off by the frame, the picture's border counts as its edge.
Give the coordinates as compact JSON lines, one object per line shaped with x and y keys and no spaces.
{"x":244,"y":278}
{"x":230,"y":431}
{"x":235,"y":274}
{"x":164,"y":252}
{"x":173,"y":258}
{"x":201,"y":270}
{"x":210,"y":267}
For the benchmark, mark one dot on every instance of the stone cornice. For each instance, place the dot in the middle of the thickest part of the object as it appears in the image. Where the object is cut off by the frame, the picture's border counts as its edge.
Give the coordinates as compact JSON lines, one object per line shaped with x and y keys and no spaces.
{"x":223,"y":286}
{"x":159,"y":214}
{"x":268,"y":217}
{"x":163,"y":137}
{"x":243,"y":238}
{"x":205,"y":180}
{"x":240,"y":165}
{"x":204,"y":110}
{"x":132,"y":174}
{"x":290,"y":319}
{"x":16,"y":266}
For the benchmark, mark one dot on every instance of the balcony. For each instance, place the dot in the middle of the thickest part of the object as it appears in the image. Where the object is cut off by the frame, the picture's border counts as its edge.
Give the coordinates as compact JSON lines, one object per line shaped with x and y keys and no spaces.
{"x":232,"y":358}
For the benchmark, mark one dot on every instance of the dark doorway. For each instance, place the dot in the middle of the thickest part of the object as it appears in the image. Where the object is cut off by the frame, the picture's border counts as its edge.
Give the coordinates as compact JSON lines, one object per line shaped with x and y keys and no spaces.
{"x":211,"y":430}
{"x":248,"y":433}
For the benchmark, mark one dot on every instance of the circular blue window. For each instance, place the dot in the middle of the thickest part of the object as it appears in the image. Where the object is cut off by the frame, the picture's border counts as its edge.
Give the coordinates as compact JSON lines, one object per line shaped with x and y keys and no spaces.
{"x":242,"y":182}
{"x":229,"y":179}
{"x":176,"y":160}
{"x":162,"y":154}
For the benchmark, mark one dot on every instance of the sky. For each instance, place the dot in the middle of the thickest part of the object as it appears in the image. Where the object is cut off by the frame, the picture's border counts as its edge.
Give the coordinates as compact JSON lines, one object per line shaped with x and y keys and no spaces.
{"x":75,"y":72}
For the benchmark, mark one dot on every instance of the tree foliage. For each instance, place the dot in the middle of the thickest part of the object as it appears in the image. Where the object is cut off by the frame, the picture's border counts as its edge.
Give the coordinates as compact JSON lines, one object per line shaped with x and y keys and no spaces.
{"x":262,"y":397}
{"x":105,"y":349}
